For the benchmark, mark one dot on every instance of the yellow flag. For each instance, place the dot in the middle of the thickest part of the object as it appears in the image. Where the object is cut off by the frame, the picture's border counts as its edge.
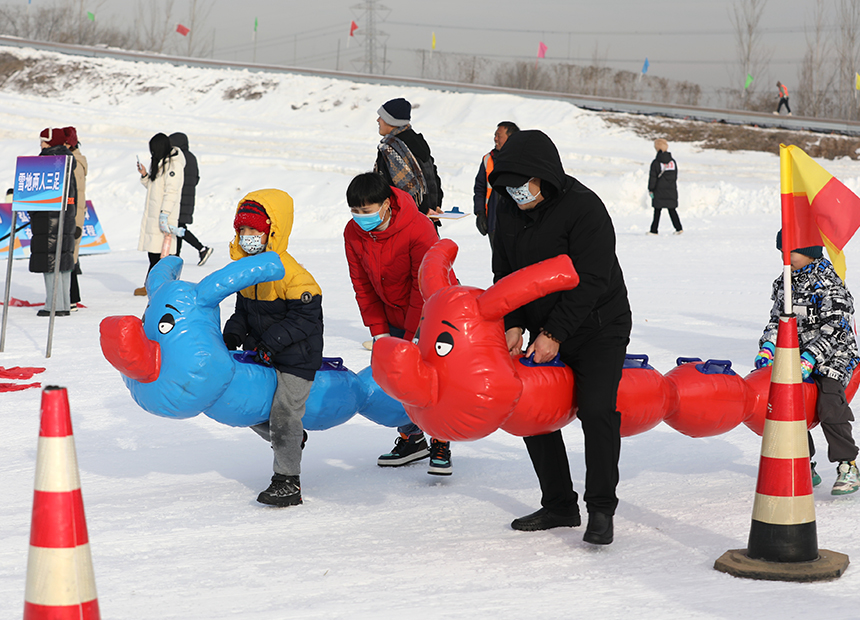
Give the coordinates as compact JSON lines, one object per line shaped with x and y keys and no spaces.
{"x":434,"y":47}
{"x":857,"y":81}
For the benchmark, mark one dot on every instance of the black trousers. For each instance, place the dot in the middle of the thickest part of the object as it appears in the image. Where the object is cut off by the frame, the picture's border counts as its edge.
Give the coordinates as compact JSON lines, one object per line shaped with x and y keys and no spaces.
{"x":190,"y":238}
{"x":596,"y":355}
{"x":835,"y":419}
{"x":783,"y":101}
{"x":673,"y":214}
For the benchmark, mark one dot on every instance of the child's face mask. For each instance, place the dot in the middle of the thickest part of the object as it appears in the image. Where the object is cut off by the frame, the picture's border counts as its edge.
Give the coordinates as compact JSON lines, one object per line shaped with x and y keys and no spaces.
{"x":252,"y":244}
{"x":523,"y":194}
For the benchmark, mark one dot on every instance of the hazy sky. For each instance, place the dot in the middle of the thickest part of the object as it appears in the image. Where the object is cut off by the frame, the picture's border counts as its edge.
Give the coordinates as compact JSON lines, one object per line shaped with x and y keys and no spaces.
{"x":682,"y":39}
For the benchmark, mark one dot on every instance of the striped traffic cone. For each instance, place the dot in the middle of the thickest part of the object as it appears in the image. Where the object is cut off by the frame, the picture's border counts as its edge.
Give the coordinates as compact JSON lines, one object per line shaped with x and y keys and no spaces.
{"x":60,"y":580}
{"x":783,"y":542}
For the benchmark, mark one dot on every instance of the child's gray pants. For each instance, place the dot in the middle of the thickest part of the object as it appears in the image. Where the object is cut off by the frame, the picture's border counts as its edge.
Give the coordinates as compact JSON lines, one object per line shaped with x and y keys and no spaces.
{"x":284,"y":427}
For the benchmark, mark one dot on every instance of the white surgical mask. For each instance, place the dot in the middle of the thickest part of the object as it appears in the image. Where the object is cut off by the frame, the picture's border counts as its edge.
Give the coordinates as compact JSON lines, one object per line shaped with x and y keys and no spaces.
{"x":252,"y":244}
{"x":522,"y":195}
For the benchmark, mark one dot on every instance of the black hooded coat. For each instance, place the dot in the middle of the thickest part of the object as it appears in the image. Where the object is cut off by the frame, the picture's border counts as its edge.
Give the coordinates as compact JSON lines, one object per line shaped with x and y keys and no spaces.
{"x":190,"y":180}
{"x":663,"y":181}
{"x":570,"y":220}
{"x":45,"y":227}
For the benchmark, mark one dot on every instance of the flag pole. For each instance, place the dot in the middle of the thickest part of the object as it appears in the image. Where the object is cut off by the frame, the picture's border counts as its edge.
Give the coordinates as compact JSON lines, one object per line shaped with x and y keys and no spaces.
{"x":788,"y":223}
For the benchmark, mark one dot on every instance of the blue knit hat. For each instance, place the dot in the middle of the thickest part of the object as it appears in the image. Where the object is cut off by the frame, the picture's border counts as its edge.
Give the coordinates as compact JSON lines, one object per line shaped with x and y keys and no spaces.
{"x":813,"y":251}
{"x":396,"y":112}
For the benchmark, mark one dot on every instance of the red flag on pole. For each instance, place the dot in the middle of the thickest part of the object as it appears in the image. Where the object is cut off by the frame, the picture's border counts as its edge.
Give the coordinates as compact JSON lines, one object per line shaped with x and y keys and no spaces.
{"x":817,"y":209}
{"x":542,"y":50}
{"x":352,"y":28}
{"x":182,"y":30}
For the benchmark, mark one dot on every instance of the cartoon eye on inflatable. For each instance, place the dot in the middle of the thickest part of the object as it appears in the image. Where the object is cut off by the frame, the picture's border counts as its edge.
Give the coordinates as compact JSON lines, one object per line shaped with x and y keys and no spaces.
{"x":444,"y":344}
{"x":166,"y":323}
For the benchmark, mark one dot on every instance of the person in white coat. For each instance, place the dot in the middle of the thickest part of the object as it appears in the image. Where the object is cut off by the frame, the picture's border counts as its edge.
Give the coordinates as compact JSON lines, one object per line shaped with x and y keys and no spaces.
{"x":163,"y":182}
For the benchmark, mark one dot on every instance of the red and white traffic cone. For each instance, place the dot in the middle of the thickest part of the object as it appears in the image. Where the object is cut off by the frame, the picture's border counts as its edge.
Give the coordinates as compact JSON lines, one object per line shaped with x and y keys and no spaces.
{"x":783,"y":541}
{"x":60,"y":580}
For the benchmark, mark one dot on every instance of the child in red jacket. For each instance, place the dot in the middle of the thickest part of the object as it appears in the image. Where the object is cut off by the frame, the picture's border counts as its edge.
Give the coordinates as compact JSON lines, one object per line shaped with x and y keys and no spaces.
{"x":385,"y":242}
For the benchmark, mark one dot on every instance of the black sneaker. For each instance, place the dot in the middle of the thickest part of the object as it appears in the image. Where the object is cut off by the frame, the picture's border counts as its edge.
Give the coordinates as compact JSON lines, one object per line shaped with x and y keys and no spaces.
{"x":406,"y":449}
{"x":205,"y":253}
{"x":440,"y":458}
{"x":543,"y":519}
{"x":284,"y":491}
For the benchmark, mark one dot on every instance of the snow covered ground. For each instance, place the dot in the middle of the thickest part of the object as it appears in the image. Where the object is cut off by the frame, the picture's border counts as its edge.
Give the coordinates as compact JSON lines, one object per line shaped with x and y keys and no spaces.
{"x":174,"y":526}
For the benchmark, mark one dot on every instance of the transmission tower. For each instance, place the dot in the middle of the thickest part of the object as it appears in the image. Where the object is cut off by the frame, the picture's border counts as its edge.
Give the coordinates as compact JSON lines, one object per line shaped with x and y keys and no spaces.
{"x":370,"y":13}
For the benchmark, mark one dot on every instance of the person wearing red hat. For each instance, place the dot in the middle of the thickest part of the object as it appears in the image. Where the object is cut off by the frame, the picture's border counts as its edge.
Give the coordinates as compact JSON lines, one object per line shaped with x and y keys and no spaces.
{"x":46,"y":233}
{"x":81,"y":214}
{"x":282,"y":322}
{"x":163,"y":183}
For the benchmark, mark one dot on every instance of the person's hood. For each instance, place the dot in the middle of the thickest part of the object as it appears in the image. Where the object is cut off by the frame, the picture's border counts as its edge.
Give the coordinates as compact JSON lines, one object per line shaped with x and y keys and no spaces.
{"x":279,"y":207}
{"x":179,"y":139}
{"x":527,"y":154}
{"x":664,"y":157}
{"x":60,"y":149}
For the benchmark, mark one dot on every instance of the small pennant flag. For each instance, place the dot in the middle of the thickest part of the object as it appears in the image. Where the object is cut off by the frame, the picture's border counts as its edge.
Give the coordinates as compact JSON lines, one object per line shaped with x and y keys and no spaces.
{"x":182,"y":30}
{"x":91,"y":16}
{"x":645,"y":67}
{"x":255,"y":24}
{"x":857,"y":81}
{"x":352,"y":28}
{"x":542,"y":50}
{"x":748,"y":82}
{"x":433,"y":46}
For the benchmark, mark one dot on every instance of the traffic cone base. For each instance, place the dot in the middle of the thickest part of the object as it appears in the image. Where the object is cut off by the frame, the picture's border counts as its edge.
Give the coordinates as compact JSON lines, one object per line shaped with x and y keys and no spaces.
{"x":828,"y":565}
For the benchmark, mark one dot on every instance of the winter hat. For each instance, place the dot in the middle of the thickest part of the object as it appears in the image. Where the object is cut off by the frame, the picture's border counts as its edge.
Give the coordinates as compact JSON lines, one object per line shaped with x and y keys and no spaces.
{"x":396,"y":112}
{"x":813,"y":251}
{"x":54,"y":137}
{"x":252,"y":214}
{"x":71,"y":136}
{"x":661,"y":145}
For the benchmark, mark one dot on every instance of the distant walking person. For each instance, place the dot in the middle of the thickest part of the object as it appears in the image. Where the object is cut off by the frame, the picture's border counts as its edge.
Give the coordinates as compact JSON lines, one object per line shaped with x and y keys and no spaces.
{"x":663,"y":186}
{"x":486,"y":199}
{"x":186,"y":202}
{"x":783,"y":98}
{"x":404,"y":158}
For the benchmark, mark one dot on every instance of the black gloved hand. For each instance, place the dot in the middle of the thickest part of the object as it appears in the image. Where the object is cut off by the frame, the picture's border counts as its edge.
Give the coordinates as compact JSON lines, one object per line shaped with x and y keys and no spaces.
{"x":232,"y":341}
{"x":264,"y":356}
{"x":481,"y":223}
{"x":78,"y":232}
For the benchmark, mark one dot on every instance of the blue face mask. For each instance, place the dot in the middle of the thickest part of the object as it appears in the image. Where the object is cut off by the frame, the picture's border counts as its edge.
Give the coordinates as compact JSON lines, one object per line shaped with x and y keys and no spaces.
{"x":367,"y":221}
{"x":522,"y":195}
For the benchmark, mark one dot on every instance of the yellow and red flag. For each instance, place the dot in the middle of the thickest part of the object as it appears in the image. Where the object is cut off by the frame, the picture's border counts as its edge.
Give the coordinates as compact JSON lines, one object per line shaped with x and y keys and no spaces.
{"x":817,"y":209}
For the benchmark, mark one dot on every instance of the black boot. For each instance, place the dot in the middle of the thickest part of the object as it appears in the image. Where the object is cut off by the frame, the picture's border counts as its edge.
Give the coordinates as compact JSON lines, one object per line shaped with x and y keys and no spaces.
{"x":543,"y":519}
{"x":284,"y":491}
{"x":599,"y":530}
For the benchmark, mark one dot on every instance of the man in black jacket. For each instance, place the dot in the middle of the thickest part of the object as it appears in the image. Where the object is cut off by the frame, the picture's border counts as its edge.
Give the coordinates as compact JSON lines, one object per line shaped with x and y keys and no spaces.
{"x":542,"y":213}
{"x":663,"y":186}
{"x":403,"y":158}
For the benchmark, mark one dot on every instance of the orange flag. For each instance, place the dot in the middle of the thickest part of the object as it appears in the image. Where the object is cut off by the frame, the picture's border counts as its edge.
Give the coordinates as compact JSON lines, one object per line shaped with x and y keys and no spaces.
{"x":817,"y":209}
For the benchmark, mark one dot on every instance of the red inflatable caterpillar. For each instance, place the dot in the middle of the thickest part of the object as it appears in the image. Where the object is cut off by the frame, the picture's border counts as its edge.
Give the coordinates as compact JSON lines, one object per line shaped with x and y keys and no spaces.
{"x":459,"y":382}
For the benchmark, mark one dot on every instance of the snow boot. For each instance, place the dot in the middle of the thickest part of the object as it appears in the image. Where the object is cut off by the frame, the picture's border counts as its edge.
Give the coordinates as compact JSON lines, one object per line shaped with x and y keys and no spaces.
{"x":816,"y":479}
{"x":543,"y":519}
{"x":440,"y":458}
{"x":406,"y":449}
{"x":599,"y":530}
{"x":284,"y":491}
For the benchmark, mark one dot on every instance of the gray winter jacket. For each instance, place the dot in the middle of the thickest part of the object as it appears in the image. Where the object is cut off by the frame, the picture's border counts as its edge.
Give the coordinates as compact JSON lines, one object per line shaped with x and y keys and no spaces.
{"x":825,"y":319}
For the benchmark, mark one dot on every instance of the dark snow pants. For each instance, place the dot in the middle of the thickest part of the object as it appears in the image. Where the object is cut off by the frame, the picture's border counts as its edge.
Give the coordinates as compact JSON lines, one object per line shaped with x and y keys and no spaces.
{"x":673,"y":214}
{"x":596,"y":354}
{"x":835,"y":417}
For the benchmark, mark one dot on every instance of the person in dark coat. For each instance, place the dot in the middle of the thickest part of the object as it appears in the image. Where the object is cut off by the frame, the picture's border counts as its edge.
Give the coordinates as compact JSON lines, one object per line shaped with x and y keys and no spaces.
{"x":663,"y":186}
{"x":542,"y":213}
{"x":403,"y":158}
{"x":187,"y":199}
{"x":45,"y":229}
{"x":485,"y":198}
